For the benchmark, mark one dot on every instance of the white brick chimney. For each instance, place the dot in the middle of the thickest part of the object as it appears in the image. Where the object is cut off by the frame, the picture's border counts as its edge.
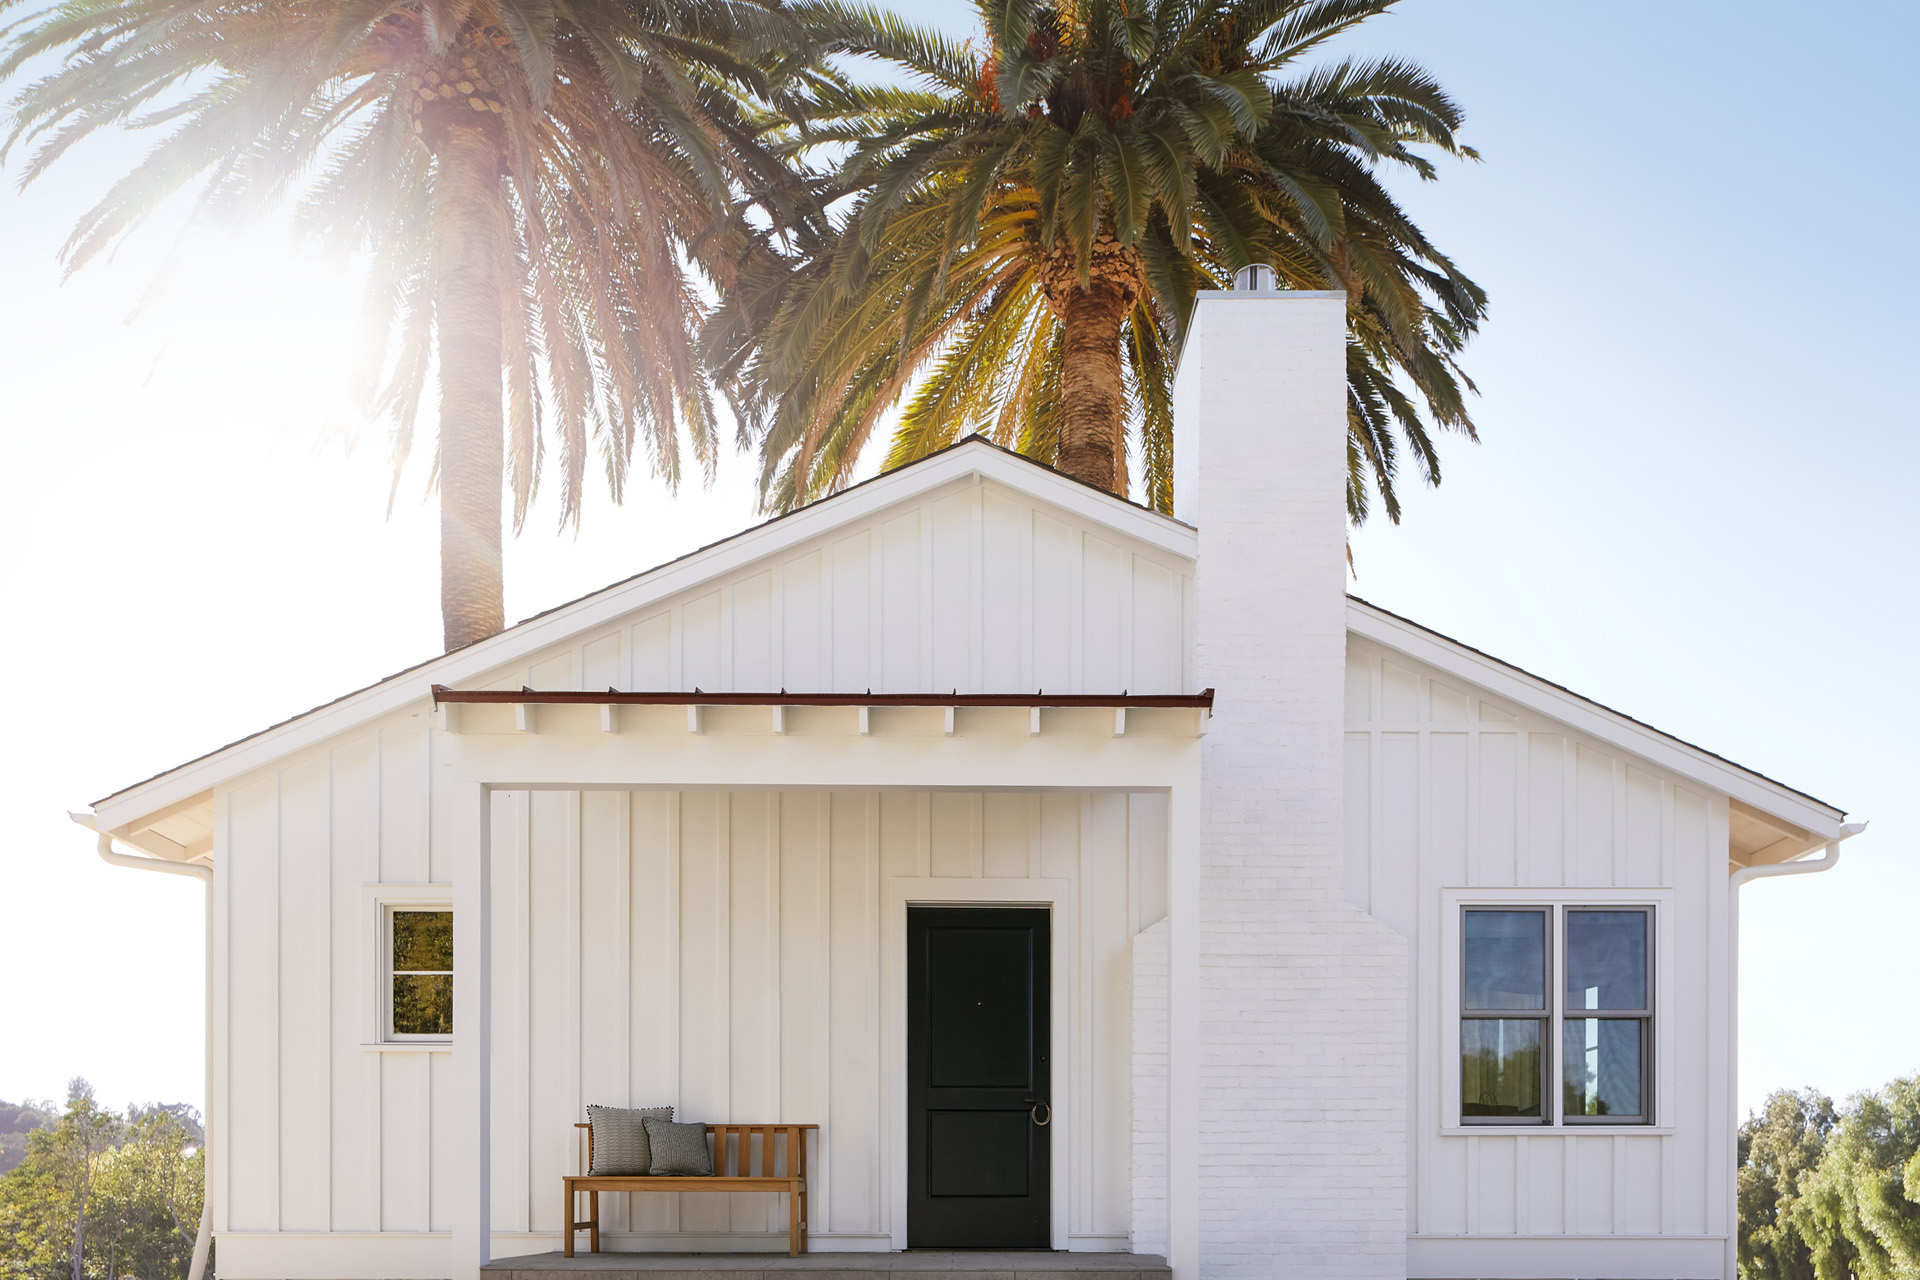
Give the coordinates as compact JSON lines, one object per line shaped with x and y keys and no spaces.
{"x":1288,"y":1010}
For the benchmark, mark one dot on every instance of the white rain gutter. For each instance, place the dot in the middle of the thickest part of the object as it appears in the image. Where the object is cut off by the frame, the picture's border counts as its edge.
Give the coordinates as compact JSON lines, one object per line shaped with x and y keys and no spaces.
{"x":203,"y":1238}
{"x":1828,"y":859}
{"x":1799,"y":866}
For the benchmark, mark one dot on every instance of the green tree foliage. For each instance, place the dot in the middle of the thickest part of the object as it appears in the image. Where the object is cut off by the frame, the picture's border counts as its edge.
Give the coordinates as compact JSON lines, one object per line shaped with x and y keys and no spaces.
{"x":102,"y":1195}
{"x":17,"y":1120}
{"x":1859,"y":1210}
{"x":1778,"y":1148}
{"x":1029,"y":216}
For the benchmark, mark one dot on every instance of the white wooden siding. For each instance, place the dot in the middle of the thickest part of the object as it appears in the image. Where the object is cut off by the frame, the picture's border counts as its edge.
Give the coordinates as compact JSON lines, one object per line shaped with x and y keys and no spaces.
{"x":719,"y":951}
{"x":976,"y":588}
{"x":1449,"y":790}
{"x":320,"y":1134}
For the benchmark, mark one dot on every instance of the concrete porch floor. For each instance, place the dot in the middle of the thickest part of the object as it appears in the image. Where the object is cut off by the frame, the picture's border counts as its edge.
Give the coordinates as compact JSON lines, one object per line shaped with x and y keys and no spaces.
{"x":916,"y":1265}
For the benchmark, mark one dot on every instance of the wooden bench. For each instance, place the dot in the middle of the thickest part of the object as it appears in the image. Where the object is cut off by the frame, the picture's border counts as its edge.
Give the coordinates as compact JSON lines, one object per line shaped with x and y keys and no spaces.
{"x":732,"y":1146}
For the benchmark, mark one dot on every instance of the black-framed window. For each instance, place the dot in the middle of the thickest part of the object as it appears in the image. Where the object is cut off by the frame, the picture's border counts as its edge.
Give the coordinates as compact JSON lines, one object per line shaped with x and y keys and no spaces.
{"x":420,"y":990}
{"x":1606,"y":1023}
{"x":1556,"y":991}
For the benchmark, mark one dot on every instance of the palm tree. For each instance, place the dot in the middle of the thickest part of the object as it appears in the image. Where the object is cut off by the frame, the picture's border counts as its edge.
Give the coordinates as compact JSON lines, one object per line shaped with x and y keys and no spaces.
{"x":1028,"y":224}
{"x":540,"y":188}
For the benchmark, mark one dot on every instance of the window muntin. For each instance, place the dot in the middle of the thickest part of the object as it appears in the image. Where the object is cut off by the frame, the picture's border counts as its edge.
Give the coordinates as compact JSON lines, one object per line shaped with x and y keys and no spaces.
{"x":420,"y":956}
{"x":1600,"y":1022}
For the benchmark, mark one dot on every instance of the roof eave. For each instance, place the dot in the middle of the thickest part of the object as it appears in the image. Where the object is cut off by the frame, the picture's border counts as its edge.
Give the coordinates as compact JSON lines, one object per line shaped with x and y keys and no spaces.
{"x":973,"y":457}
{"x":1822,"y":820}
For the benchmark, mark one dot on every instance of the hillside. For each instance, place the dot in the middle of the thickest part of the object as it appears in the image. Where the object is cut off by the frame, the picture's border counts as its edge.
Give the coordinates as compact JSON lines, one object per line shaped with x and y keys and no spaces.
{"x":17,"y":1120}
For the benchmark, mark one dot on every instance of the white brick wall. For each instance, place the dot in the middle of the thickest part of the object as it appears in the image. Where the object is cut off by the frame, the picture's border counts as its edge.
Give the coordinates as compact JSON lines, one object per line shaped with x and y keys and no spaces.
{"x":1149,"y":1052}
{"x":1303,"y":1019}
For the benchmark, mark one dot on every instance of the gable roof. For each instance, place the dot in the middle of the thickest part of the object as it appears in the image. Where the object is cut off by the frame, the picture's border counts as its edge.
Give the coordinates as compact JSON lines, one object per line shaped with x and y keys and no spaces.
{"x":973,"y":456}
{"x":978,"y":457}
{"x":1557,"y":702}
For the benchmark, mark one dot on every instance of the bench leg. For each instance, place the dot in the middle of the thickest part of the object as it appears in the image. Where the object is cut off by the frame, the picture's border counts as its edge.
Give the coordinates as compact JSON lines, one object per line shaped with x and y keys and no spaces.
{"x":566,"y":1221}
{"x":593,"y":1216}
{"x":804,"y":1247}
{"x":793,"y":1223}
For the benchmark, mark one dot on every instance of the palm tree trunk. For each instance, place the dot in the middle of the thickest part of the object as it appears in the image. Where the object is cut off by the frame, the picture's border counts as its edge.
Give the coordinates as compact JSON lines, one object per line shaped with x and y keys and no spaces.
{"x":470,"y":247}
{"x":1093,"y":389}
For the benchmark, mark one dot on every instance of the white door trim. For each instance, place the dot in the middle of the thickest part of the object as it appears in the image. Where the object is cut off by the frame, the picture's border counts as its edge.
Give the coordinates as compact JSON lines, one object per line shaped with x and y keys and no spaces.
{"x":1056,"y":894}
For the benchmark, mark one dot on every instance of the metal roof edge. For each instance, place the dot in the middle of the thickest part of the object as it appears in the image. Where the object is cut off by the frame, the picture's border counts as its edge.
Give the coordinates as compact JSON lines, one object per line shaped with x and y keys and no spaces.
{"x":1578,"y":711}
{"x":974,"y":454}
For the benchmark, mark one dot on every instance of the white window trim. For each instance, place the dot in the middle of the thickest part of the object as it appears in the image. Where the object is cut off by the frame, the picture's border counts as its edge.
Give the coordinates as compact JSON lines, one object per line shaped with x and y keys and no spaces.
{"x":382,"y":900}
{"x":1452,"y":902}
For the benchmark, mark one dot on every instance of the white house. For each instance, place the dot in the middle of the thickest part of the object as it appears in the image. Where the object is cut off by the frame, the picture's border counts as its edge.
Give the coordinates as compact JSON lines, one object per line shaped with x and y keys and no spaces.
{"x":1306,"y":941}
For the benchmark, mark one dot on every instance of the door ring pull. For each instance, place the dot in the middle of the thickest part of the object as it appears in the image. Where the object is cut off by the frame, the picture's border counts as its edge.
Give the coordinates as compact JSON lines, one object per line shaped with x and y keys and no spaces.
{"x":1033,"y":1112}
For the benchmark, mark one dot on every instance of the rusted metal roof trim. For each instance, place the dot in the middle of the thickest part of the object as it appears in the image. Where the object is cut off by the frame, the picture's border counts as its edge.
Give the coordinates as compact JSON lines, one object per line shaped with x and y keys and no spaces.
{"x":1202,"y":701}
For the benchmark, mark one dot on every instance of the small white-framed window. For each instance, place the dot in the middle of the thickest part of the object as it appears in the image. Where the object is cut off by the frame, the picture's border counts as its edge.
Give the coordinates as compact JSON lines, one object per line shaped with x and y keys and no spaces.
{"x":417,"y":971}
{"x":1556,"y":1017}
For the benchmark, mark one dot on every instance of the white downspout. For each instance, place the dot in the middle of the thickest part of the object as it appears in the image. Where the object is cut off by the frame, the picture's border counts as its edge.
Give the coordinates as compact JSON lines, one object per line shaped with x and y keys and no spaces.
{"x":203,"y":1237}
{"x":1828,"y":859}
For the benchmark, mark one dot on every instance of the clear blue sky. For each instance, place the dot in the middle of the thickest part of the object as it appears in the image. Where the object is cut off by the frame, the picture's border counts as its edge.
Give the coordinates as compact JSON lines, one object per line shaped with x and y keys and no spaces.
{"x":1693,"y":499}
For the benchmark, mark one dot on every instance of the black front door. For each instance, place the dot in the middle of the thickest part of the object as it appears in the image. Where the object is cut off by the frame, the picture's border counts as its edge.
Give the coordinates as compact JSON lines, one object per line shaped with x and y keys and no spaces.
{"x":977,"y":1078}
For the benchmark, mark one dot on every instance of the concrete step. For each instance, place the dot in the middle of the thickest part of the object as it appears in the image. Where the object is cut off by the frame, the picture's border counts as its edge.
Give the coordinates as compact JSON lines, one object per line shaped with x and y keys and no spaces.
{"x":913,"y":1265}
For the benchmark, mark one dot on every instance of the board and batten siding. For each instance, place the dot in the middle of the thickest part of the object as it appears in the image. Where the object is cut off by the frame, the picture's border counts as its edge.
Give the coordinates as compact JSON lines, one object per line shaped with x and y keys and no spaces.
{"x":319,"y":1133}
{"x":1449,"y":793}
{"x":975,"y":588}
{"x":719,"y":951}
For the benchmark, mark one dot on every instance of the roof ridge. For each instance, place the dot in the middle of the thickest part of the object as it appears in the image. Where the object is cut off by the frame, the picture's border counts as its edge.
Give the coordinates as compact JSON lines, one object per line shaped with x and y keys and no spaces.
{"x":973,"y":438}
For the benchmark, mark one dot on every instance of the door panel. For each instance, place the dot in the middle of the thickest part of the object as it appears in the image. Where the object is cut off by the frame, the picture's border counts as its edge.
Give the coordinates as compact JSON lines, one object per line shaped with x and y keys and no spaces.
{"x":977,"y":1078}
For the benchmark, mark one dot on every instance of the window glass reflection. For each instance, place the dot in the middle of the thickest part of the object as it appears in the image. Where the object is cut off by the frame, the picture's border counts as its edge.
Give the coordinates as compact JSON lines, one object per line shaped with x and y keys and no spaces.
{"x":1506,"y":960}
{"x":422,"y":941}
{"x":1606,"y":960}
{"x":1600,"y":1062}
{"x":1500,"y":1067}
{"x":423,"y":1004}
{"x":422,"y":973}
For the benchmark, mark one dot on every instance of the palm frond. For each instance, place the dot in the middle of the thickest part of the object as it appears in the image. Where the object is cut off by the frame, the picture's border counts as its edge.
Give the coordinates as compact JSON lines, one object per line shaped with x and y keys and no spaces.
{"x":1152,"y":147}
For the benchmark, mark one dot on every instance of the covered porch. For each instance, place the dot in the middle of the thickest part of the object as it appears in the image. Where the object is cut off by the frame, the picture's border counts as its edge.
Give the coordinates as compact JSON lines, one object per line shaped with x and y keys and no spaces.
{"x":730,"y":935}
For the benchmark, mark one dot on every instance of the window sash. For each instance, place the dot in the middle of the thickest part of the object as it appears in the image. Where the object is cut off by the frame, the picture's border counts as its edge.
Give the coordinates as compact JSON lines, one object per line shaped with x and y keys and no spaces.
{"x":1643,"y":1067}
{"x":1542,"y":1017}
{"x":391,"y":972}
{"x":1555,"y":1019}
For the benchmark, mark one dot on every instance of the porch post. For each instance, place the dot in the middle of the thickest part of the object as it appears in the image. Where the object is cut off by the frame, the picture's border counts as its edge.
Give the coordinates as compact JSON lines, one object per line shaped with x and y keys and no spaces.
{"x":468,"y":830}
{"x":1183,"y":1029}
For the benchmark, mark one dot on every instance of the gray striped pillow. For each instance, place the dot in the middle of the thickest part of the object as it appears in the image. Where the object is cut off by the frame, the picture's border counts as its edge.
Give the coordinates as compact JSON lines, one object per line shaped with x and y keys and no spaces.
{"x":620,"y":1147}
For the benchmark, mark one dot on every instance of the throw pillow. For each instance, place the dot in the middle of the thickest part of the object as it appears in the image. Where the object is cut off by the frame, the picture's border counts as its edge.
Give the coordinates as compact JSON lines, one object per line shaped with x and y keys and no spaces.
{"x":679,"y":1149}
{"x":620,"y":1140}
